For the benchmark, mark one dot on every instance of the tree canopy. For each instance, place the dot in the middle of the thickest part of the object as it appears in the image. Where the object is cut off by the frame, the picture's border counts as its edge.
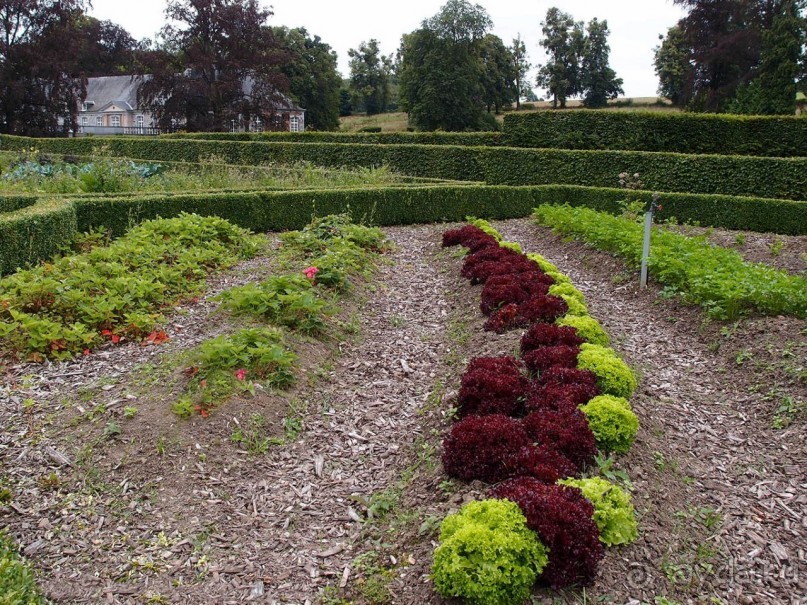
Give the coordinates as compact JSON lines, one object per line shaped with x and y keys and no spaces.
{"x":370,"y":77}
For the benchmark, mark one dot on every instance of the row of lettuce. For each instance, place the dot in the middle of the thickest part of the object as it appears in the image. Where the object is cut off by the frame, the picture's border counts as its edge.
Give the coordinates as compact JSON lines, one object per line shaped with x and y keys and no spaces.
{"x":531,"y":427}
{"x":585,"y":129}
{"x":33,"y":229}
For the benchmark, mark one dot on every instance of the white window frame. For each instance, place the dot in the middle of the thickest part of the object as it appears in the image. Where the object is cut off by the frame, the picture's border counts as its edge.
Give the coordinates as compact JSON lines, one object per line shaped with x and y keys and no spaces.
{"x":294,"y":124}
{"x":114,"y":121}
{"x":85,"y":121}
{"x":99,"y":120}
{"x":140,"y":121}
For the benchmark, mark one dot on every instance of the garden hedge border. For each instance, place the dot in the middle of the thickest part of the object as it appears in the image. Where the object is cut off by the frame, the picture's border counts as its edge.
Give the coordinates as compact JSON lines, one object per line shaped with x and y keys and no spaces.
{"x":13,"y":202}
{"x":36,"y":232}
{"x":471,"y":139}
{"x":774,"y":136}
{"x":779,"y":178}
{"x":31,"y":235}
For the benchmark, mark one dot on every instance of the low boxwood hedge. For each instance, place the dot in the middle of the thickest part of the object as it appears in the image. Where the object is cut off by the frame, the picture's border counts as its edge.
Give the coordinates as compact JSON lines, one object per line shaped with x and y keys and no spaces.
{"x":491,"y":139}
{"x":10,"y":203}
{"x":780,"y":178}
{"x":782,"y":136}
{"x":35,"y":233}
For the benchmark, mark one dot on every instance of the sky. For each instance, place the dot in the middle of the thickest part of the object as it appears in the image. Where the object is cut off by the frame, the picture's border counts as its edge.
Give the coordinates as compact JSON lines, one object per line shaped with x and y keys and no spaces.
{"x":635,"y":26}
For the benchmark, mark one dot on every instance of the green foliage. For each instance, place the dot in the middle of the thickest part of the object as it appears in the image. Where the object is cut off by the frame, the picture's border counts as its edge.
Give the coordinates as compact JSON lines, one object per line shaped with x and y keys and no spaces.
{"x":587,"y":327}
{"x":370,"y":77}
{"x":230,"y":363}
{"x":598,"y":81}
{"x":614,"y":376}
{"x":118,"y":291}
{"x":716,"y":278}
{"x":672,"y":64}
{"x":612,"y":421}
{"x":568,"y":290}
{"x":659,"y":131}
{"x":484,"y":226}
{"x":474,"y":139}
{"x":613,"y":510}
{"x":487,"y":554}
{"x":288,"y":300}
{"x":35,"y":232}
{"x":575,"y":306}
{"x":17,"y":582}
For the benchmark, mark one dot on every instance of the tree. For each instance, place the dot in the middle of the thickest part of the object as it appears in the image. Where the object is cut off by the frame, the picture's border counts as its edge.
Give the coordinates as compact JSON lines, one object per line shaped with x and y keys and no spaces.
{"x":518,"y":52}
{"x":598,"y":82}
{"x":314,"y":81}
{"x":673,"y":66}
{"x":782,"y":52}
{"x":370,"y":76}
{"x":440,"y":66}
{"x":106,"y":49}
{"x":40,"y":88}
{"x":498,"y":73}
{"x":563,"y":42}
{"x":220,"y":67}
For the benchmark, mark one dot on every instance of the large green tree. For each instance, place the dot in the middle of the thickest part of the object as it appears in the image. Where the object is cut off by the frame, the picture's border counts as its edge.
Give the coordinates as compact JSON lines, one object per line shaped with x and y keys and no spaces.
{"x":673,"y":65}
{"x":314,"y":82}
{"x":440,"y":83}
{"x":498,"y":73}
{"x":219,"y":65}
{"x":521,"y":65}
{"x":370,"y":77}
{"x":598,"y":81}
{"x":745,"y":54}
{"x":563,"y":41}
{"x":40,"y":83}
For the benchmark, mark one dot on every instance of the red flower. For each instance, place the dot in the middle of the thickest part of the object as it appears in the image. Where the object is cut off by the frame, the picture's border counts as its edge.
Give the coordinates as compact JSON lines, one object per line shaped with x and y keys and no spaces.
{"x":241,"y":374}
{"x":86,"y":352}
{"x":311,"y":272}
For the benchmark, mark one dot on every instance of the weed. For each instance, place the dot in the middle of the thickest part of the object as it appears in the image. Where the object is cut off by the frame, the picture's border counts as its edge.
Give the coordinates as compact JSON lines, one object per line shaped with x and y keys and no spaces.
{"x":129,"y":412}
{"x":252,"y":436}
{"x":787,"y":411}
{"x":776,"y":246}
{"x":606,"y":467}
{"x":739,"y":239}
{"x":743,"y":356}
{"x":112,"y":430}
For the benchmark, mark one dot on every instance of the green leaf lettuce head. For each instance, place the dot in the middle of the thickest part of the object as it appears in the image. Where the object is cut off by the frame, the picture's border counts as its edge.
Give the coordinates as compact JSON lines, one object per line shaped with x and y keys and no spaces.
{"x":487,"y":555}
{"x":613,"y":510}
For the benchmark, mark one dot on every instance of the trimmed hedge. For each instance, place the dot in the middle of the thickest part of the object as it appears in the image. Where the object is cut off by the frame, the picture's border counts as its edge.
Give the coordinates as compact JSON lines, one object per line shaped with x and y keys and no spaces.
{"x":484,"y":139}
{"x":10,"y":203}
{"x":775,"y":136}
{"x":31,"y":235}
{"x":780,"y":178}
{"x":35,"y":233}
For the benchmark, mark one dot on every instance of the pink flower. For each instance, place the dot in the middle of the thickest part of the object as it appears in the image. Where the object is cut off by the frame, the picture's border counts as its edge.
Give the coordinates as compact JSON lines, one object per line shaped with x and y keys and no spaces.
{"x":310,"y":272}
{"x":241,"y":374}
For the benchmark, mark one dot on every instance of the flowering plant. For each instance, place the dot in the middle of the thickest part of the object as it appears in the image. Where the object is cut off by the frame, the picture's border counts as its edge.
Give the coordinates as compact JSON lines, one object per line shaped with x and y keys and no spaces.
{"x":310,"y":272}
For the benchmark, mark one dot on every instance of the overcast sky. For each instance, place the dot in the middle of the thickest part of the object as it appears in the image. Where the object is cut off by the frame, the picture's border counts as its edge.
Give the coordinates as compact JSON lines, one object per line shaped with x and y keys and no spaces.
{"x":634,"y":24}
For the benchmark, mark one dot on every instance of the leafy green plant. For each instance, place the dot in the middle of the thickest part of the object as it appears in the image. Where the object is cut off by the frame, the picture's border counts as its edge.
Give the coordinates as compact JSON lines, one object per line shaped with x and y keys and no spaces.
{"x":614,"y":376}
{"x":612,"y":421}
{"x":488,"y":555}
{"x":587,"y":328}
{"x":289,"y":301}
{"x":613,"y":510}
{"x":253,"y":435}
{"x":114,"y":292}
{"x":229,"y":363}
{"x":17,"y":583}
{"x":718,"y":279}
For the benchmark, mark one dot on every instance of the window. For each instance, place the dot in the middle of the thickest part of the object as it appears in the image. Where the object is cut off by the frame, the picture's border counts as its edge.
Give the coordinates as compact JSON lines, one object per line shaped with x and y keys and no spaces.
{"x":115,"y":121}
{"x":294,"y":124}
{"x":140,"y":121}
{"x":85,"y":121}
{"x":99,"y":120}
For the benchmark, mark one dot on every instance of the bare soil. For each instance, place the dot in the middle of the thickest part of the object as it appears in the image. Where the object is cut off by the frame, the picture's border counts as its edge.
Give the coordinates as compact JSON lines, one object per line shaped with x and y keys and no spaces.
{"x":346,"y":504}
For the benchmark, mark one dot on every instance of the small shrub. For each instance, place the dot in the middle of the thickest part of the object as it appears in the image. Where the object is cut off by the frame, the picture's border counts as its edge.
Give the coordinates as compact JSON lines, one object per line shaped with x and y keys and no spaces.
{"x":562,"y":518}
{"x":613,"y":422}
{"x":540,"y":360}
{"x":588,"y":328}
{"x":566,"y":431}
{"x":484,"y":447}
{"x":487,"y":555}
{"x":613,"y":510}
{"x":491,"y":385}
{"x":549,"y":335}
{"x":18,"y":584}
{"x":614,"y":376}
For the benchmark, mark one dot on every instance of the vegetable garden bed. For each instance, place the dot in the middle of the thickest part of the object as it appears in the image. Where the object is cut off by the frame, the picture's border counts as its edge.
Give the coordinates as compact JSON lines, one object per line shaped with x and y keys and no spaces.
{"x":333,"y":491}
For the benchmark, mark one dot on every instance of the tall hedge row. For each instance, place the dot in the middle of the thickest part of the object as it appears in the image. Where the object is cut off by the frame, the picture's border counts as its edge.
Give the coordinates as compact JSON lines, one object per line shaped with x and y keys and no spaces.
{"x":481,"y":139}
{"x":782,"y":136}
{"x":35,"y":233}
{"x":784,"y":178}
{"x":10,"y":203}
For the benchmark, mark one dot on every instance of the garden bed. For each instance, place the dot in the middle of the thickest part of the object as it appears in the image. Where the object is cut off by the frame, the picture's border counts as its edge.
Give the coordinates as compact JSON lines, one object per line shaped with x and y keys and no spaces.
{"x":345,"y":503}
